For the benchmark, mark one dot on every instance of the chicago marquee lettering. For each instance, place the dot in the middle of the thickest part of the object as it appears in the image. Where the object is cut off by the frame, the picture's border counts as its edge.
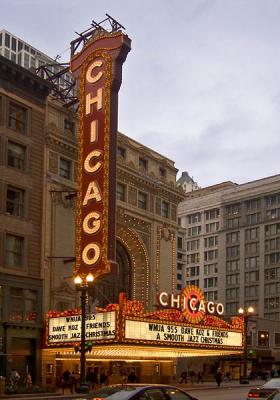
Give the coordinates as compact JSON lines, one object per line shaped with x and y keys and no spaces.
{"x":93,"y":163}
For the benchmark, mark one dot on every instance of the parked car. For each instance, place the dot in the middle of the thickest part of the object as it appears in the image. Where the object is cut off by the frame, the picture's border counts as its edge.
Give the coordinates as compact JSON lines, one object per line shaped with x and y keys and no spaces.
{"x":138,"y":392}
{"x":269,"y":391}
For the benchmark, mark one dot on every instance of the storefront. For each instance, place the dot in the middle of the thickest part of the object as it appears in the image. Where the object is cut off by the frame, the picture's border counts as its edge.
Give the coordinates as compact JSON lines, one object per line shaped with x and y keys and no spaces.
{"x":123,"y":336}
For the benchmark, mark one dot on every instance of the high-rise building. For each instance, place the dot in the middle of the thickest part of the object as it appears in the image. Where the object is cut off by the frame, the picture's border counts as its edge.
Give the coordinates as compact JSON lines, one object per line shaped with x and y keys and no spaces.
{"x":233,"y":244}
{"x":22,"y":117}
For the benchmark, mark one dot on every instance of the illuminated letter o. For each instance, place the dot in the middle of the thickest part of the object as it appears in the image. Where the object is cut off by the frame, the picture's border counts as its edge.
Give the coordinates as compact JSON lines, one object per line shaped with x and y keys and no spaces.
{"x":95,"y":225}
{"x":91,"y":247}
{"x":220,"y":308}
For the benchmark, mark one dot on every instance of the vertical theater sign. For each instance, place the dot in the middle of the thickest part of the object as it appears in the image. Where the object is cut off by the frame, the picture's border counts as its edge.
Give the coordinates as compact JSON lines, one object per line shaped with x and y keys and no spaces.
{"x":98,"y":70}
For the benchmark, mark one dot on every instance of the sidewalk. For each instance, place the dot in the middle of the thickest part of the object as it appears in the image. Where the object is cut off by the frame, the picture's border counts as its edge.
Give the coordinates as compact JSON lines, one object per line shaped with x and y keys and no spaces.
{"x":213,"y":385}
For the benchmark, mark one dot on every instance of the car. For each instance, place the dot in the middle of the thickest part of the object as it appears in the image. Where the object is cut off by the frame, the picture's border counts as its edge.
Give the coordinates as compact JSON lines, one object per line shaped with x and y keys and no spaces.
{"x":269,"y":391}
{"x":138,"y":392}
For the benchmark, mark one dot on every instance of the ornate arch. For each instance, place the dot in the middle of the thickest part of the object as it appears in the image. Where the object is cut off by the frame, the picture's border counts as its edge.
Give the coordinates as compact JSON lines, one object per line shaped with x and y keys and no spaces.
{"x":140,"y":270}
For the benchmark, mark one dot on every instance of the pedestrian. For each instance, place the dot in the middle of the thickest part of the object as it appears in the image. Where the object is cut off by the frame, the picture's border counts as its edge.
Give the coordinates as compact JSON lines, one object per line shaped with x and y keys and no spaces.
{"x":219,"y":377}
{"x":183,"y":378}
{"x":132,"y":377}
{"x":200,"y":377}
{"x":14,"y":378}
{"x":66,"y":380}
{"x":192,"y":376}
{"x":91,"y":378}
{"x":103,"y":378}
{"x":28,"y":380}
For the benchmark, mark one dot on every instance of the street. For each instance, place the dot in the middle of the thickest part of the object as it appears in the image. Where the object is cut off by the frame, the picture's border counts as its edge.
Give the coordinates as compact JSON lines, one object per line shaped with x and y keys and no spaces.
{"x":236,"y":393}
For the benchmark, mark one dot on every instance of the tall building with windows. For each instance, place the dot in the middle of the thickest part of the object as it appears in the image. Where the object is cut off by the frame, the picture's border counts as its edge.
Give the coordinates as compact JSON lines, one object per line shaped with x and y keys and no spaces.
{"x":27,"y":56}
{"x":233,"y":244}
{"x":22,"y":118}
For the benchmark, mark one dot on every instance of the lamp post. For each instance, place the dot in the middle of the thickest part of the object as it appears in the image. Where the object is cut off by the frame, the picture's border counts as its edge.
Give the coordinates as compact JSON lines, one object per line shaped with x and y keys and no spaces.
{"x":82,"y":286}
{"x":245,"y":312}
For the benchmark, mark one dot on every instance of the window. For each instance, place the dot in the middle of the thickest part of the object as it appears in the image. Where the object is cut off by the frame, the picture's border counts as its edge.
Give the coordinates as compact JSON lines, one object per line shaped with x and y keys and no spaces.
{"x":179,"y":286}
{"x":233,"y":237}
{"x":143,"y":164}
{"x":15,"y":201}
{"x":277,"y":339}
{"x":164,"y":209}
{"x":252,"y":276}
{"x":252,"y":233}
{"x":271,"y":230}
{"x":212,"y":295}
{"x":120,"y":191}
{"x":232,"y":307}
{"x":232,"y":279}
{"x":26,"y":60}
{"x":212,"y":227}
{"x":233,"y":222}
{"x":232,"y":266}
{"x":273,"y":213}
{"x":233,"y":209}
{"x":194,"y":218}
{"x":14,"y":251}
{"x":210,"y":269}
{"x":1,"y":303}
{"x":193,"y":245}
{"x":272,"y":244}
{"x":252,"y":219}
{"x":65,"y":168}
{"x":18,"y":118}
{"x":252,"y":248}
{"x":162,"y":172}
{"x":232,"y":294}
{"x":271,"y":288}
{"x":271,"y":303}
{"x":194,"y":282}
{"x":272,"y":258}
{"x":272,"y":274}
{"x":252,"y":263}
{"x":253,"y":204}
{"x":211,"y":241}
{"x":211,"y":282}
{"x":210,"y":255}
{"x":193,"y":271}
{"x":272,"y":200}
{"x":195,"y":230}
{"x":142,"y":200}
{"x":155,"y":394}
{"x":179,"y":277}
{"x":212,"y":214}
{"x":7,"y":40}
{"x":14,"y":44}
{"x":263,"y":338}
{"x":69,"y":125}
{"x":193,"y":258}
{"x":251,"y":291}
{"x":121,"y":152}
{"x":23,"y":303}
{"x":16,"y":155}
{"x":232,"y":251}
{"x":20,"y":45}
{"x":179,"y":242}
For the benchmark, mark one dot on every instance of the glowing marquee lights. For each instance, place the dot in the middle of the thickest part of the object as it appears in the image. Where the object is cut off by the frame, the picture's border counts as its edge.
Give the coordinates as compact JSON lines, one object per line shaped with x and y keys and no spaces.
{"x":192,"y":303}
{"x":98,"y":69}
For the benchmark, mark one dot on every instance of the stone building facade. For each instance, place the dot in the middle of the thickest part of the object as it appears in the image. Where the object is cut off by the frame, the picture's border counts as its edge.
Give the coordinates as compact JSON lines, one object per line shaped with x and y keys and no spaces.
{"x":22,"y":119}
{"x":233,"y":243}
{"x":146,"y":219}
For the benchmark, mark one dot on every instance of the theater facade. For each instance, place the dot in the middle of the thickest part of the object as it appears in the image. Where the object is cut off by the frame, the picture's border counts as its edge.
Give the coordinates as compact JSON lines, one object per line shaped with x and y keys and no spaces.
{"x":124,"y":336}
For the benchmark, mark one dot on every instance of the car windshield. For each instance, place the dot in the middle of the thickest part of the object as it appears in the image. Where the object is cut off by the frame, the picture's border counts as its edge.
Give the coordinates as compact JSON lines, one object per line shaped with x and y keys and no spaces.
{"x":273,"y":383}
{"x":115,"y":393}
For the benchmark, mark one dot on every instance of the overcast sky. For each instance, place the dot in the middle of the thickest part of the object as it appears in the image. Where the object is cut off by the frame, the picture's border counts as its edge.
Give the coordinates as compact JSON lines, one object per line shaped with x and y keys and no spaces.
{"x":201,"y":84}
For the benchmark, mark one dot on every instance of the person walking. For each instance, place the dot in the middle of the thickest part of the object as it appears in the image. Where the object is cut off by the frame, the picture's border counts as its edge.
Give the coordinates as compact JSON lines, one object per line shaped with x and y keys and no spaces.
{"x":219,"y":377}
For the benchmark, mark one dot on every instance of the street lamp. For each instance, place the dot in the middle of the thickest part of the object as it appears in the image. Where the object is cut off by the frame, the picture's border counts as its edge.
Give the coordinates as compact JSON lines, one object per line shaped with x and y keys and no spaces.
{"x":245,"y":312}
{"x":82,"y":285}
